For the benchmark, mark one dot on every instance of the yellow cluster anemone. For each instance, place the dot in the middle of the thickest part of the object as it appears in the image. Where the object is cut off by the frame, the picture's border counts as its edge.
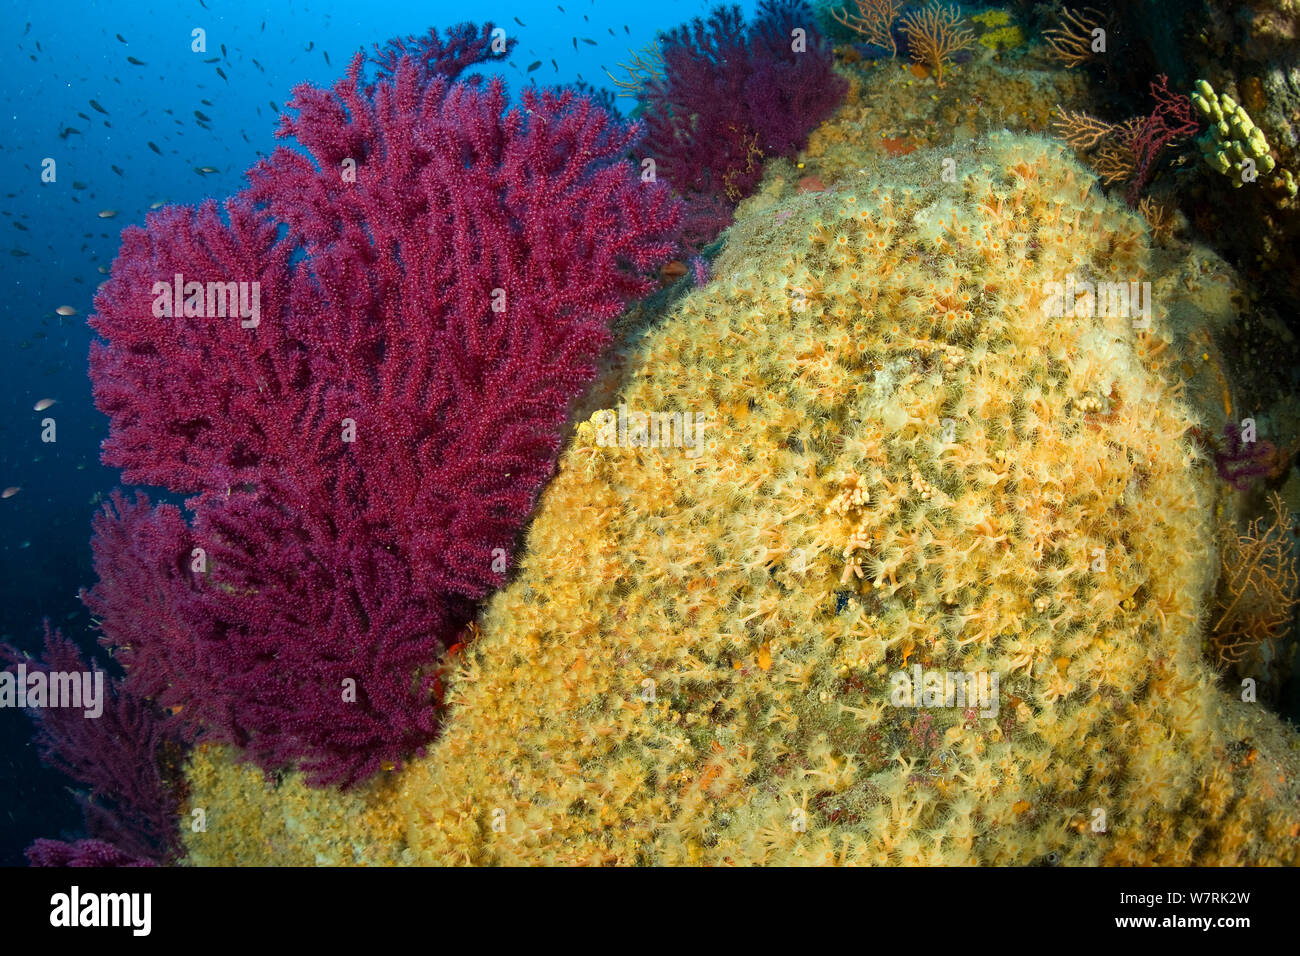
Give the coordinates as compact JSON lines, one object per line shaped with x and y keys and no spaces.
{"x":913,"y":569}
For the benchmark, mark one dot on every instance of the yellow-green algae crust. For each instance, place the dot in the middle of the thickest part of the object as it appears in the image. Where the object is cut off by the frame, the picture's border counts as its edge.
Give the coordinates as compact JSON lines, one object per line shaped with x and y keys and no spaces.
{"x":909,"y":463}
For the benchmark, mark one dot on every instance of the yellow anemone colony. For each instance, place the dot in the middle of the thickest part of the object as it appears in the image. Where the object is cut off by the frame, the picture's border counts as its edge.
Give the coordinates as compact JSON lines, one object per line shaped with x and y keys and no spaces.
{"x":883,"y":474}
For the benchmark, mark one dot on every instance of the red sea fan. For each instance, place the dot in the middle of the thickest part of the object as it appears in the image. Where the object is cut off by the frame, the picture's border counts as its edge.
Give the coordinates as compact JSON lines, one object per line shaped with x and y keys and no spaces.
{"x":118,"y":754}
{"x":436,"y":278}
{"x":87,"y":853}
{"x":731,"y":96}
{"x":1173,"y":119}
{"x":465,"y":46}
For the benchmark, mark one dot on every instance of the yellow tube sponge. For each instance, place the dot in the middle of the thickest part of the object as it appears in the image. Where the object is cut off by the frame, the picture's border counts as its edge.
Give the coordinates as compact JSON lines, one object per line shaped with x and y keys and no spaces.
{"x":1233,"y":145}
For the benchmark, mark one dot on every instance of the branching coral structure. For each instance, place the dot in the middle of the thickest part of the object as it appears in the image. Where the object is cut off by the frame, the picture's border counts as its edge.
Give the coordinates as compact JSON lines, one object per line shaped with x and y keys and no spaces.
{"x":1259,"y":591}
{"x":934,"y":34}
{"x":423,"y":291}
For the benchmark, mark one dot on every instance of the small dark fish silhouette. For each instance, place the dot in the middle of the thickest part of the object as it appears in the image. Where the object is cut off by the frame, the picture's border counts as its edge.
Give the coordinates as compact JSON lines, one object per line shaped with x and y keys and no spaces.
{"x":517,"y":20}
{"x":223,"y":49}
{"x":222,"y":75}
{"x":533,"y":66}
{"x":213,"y":59}
{"x":134,"y":62}
{"x":95,"y":106}
{"x":154,"y":147}
{"x":585,"y":40}
{"x":206,"y":102}
{"x":203,"y":116}
{"x":115,"y":169}
{"x":327,"y":58}
{"x":122,"y":38}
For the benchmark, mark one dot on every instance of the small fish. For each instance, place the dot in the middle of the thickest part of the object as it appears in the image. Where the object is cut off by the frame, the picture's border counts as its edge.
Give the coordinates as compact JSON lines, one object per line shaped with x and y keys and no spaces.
{"x":116,"y":169}
{"x":533,"y":66}
{"x":78,"y":184}
{"x":121,"y":38}
{"x":83,"y":116}
{"x":154,"y":147}
{"x":327,"y":57}
{"x":575,"y":43}
{"x":68,"y":131}
{"x":206,"y":102}
{"x":258,"y":65}
{"x":153,"y":205}
{"x":107,"y":213}
{"x":311,"y":45}
{"x":102,"y":270}
{"x":204,"y":170}
{"x":19,"y":225}
{"x":222,"y":75}
{"x":19,"y":253}
{"x":213,"y":59}
{"x":25,"y":544}
{"x":520,"y":22}
{"x":203,"y":116}
{"x":556,"y":65}
{"x":66,"y":310}
{"x":586,"y":40}
{"x":223,"y":51}
{"x":11,"y":491}
{"x":44,"y":403}
{"x":134,"y":62}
